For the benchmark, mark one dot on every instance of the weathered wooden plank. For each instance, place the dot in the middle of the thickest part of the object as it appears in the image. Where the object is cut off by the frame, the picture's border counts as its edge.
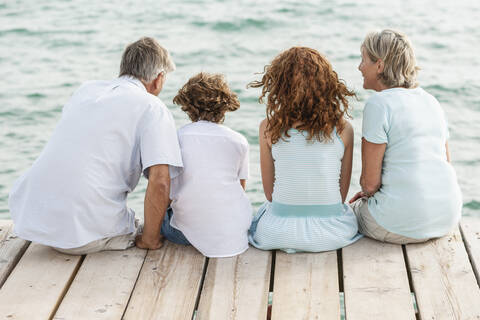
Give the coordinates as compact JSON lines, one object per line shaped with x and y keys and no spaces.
{"x":11,"y":249}
{"x":37,"y":284}
{"x":443,"y":280}
{"x":306,"y":286}
{"x":168,"y":284}
{"x":102,"y":286}
{"x":471,"y":237}
{"x":236,"y":287}
{"x":375,"y":276}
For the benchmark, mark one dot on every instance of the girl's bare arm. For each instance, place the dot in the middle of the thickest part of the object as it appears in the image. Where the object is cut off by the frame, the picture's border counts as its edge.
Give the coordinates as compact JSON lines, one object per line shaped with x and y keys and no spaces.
{"x":266,"y":161}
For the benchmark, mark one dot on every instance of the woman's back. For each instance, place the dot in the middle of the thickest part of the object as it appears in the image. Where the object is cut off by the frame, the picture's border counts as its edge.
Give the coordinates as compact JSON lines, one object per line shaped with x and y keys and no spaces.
{"x":415,"y":166}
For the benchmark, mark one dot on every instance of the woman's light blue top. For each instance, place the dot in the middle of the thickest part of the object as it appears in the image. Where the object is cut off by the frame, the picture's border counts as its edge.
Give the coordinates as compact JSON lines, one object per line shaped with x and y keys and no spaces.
{"x":306,"y":212}
{"x":419,"y":196}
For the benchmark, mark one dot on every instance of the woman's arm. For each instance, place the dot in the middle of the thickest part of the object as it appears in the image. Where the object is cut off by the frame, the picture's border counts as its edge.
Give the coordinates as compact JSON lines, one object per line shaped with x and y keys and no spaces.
{"x":266,"y":161}
{"x":243,"y":183}
{"x":346,"y":170}
{"x":448,"y":151}
{"x":372,"y":158}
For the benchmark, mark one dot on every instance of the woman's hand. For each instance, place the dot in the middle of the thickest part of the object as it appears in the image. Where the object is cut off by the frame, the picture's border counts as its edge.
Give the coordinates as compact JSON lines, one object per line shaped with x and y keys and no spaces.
{"x":357,"y":196}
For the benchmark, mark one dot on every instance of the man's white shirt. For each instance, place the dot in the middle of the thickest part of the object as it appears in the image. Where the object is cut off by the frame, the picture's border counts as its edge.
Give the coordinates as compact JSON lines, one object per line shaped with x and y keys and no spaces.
{"x":76,"y":191}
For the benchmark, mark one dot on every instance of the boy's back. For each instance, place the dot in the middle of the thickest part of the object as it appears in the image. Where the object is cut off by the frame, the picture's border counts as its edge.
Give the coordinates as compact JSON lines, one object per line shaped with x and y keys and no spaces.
{"x":210,"y":207}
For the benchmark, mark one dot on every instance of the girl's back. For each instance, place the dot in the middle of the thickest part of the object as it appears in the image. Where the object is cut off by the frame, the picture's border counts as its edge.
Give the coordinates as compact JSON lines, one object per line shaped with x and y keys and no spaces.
{"x":306,"y":212}
{"x":307,"y":172}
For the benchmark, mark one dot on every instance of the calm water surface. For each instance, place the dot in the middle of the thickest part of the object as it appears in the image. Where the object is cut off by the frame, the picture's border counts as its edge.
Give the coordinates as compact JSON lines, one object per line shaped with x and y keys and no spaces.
{"x":47,"y":48}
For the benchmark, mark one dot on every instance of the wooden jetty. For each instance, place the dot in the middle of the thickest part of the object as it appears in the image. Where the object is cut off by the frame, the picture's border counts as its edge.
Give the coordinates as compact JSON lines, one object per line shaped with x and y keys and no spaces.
{"x":368,"y":280}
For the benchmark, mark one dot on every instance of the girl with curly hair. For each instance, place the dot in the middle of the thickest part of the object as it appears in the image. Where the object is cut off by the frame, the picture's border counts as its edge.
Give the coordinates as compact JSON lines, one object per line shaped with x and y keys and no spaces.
{"x":306,"y":149}
{"x":209,"y":208}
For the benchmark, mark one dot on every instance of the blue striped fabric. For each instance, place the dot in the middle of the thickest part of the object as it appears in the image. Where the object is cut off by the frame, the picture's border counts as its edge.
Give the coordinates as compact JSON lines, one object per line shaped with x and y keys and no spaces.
{"x":307,"y":213}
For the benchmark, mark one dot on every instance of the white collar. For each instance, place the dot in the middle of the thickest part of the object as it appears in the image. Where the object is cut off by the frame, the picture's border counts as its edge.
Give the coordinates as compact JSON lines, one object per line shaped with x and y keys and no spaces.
{"x":134,"y":81}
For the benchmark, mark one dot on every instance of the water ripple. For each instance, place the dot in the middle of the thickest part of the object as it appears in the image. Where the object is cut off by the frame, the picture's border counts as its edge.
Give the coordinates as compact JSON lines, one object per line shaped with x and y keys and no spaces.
{"x":36,"y":95}
{"x":53,"y":46}
{"x":29,"y":32}
{"x":237,"y":25}
{"x":475,"y":205}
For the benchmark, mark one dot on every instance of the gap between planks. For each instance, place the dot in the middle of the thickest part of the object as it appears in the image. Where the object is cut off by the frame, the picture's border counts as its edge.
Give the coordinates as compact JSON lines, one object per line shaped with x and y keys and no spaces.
{"x":443,"y":279}
{"x":168,"y":284}
{"x":10,"y":246}
{"x":471,"y":241}
{"x":410,"y":283}
{"x":236,"y":287}
{"x":271,"y":284}
{"x":200,"y":287}
{"x":37,"y":284}
{"x":67,"y":287}
{"x":341,"y":291}
{"x":133,"y":289}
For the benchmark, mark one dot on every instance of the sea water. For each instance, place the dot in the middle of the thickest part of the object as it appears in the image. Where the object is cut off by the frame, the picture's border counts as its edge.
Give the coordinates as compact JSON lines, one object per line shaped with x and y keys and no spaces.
{"x":48,"y":48}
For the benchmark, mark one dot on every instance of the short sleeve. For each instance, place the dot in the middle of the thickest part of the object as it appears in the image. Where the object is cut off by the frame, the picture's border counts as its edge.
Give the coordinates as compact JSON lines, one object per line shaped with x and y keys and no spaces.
{"x":159,"y":142}
{"x":243,"y":172}
{"x":375,"y":123}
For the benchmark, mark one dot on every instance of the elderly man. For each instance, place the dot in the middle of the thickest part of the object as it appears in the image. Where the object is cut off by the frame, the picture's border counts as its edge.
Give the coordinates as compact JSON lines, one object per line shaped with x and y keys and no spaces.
{"x":74,"y":196}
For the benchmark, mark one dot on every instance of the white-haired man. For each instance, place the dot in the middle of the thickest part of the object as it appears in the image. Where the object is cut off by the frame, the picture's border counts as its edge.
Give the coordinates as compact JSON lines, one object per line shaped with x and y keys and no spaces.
{"x":73,"y":198}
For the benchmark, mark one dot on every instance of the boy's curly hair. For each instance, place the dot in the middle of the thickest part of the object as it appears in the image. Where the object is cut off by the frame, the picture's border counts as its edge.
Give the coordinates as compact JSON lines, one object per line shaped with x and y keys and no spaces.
{"x":302,"y":88}
{"x":207,"y":97}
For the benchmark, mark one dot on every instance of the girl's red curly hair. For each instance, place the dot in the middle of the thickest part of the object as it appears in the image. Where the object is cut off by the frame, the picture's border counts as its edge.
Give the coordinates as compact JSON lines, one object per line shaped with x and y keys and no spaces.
{"x":303,"y":93}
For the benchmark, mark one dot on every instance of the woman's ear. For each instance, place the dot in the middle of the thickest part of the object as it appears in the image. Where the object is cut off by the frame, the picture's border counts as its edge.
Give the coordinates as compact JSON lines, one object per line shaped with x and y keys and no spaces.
{"x":380,"y":66}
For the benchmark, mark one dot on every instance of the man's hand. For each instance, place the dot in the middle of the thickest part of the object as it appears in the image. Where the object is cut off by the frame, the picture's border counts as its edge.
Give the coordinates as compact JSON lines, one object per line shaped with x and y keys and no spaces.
{"x":357,"y":196}
{"x":142,"y":243}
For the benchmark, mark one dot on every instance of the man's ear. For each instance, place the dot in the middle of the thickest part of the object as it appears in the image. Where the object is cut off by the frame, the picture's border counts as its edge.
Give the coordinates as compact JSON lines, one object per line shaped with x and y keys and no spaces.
{"x":158,"y":82}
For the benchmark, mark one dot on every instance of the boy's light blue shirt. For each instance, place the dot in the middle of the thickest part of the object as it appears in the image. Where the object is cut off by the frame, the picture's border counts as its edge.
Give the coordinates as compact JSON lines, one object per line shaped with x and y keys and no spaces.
{"x":419,"y":196}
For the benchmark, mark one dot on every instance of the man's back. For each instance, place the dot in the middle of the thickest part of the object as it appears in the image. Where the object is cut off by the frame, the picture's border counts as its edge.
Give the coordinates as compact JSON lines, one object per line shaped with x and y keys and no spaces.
{"x":76,"y":190}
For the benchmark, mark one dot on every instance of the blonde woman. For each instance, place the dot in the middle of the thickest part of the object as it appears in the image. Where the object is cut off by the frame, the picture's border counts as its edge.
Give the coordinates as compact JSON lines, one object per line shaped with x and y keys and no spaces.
{"x":409,"y":189}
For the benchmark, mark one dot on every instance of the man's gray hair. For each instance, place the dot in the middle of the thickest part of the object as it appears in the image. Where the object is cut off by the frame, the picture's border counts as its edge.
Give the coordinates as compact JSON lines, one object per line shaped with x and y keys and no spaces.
{"x":145,"y":59}
{"x":396,"y":51}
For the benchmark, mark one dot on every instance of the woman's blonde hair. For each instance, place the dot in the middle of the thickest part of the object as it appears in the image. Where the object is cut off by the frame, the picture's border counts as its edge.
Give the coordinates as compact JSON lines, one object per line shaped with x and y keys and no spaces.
{"x":302,"y":87}
{"x":396,"y":52}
